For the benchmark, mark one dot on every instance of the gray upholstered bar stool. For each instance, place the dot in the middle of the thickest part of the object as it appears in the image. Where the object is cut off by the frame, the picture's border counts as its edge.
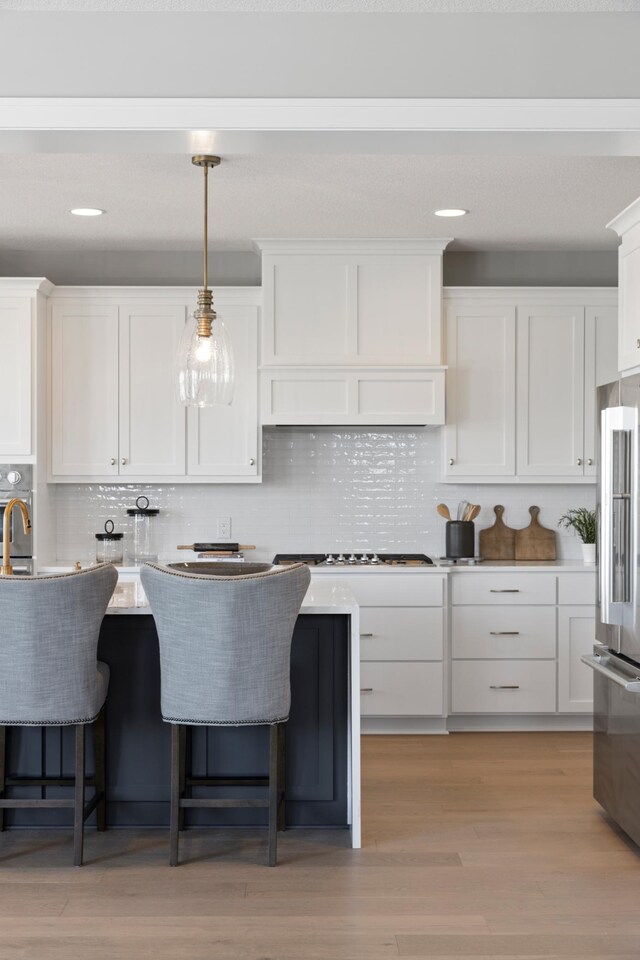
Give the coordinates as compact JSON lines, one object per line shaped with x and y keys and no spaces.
{"x":225,"y":650}
{"x":50,"y":676}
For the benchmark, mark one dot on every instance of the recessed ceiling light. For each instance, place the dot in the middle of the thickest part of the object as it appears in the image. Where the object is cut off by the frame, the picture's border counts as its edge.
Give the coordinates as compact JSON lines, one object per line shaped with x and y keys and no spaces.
{"x":86,"y":212}
{"x":453,"y":212}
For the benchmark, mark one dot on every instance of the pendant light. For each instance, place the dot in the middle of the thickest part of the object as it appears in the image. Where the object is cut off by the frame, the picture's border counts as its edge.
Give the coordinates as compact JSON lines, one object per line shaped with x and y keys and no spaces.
{"x":205,"y":355}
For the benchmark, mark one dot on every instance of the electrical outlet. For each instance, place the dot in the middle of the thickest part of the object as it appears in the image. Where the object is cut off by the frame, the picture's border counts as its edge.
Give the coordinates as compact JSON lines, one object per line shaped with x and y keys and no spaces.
{"x":224,"y":528}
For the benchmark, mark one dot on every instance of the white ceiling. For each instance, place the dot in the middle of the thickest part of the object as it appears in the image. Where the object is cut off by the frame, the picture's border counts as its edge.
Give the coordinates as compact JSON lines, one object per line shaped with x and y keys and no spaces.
{"x":155,"y":202}
{"x":333,"y":6}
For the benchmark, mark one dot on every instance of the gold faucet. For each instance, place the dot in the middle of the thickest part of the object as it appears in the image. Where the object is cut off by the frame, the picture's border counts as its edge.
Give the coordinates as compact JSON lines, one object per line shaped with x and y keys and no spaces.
{"x":7,"y":569}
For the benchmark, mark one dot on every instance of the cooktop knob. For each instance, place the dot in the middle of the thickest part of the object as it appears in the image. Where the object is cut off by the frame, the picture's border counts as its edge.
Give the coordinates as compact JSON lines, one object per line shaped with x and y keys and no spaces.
{"x":340,"y":558}
{"x":375,"y":558}
{"x":352,"y":558}
{"x":14,"y":477}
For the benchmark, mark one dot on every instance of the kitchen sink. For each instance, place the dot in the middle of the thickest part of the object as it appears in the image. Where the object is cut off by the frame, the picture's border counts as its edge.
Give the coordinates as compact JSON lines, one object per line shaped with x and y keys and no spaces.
{"x":218,"y":568}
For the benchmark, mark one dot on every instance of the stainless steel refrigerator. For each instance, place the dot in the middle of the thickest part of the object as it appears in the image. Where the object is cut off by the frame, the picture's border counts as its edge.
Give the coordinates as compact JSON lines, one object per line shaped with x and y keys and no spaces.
{"x":616,"y":656}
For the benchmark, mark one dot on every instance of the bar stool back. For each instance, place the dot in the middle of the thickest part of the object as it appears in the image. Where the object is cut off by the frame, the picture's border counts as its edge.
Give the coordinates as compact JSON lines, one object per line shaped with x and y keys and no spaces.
{"x":50,"y":676}
{"x":225,"y":649}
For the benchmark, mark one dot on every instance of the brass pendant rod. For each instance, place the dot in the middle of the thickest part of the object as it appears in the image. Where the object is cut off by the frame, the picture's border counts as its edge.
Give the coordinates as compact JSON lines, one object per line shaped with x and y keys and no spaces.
{"x":206,"y":223}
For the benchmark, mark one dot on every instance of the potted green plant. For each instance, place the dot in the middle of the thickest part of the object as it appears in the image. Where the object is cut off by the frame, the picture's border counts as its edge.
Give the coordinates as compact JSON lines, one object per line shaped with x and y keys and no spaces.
{"x":583,"y":521}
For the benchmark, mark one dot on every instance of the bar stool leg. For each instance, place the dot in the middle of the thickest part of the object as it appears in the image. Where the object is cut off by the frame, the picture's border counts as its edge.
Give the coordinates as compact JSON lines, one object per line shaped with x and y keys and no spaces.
{"x":183,"y":772}
{"x":99,"y":750}
{"x":281,"y":777}
{"x":78,"y":800}
{"x":174,"y":816}
{"x":273,"y":794}
{"x":3,"y":760}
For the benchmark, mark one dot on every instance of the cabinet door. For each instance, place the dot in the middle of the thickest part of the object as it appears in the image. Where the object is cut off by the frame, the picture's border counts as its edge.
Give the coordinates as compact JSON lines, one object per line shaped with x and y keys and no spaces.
{"x":152,"y":421}
{"x":84,"y":389}
{"x":223,"y":441}
{"x":600,"y":366}
{"x":550,"y":391}
{"x":576,"y":636}
{"x":629,"y":292}
{"x":480,"y":411}
{"x":15,"y":378}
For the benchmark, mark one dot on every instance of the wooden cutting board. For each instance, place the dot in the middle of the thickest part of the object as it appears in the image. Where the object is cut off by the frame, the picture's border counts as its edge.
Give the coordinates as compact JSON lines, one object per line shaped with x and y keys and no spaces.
{"x":499,"y":541}
{"x":535,"y":542}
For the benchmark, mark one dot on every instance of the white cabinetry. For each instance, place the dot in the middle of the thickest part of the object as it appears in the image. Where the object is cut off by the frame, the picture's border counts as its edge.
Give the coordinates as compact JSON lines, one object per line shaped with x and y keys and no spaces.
{"x":514,"y":636}
{"x":402,"y":643}
{"x":627,"y":226}
{"x":352,"y":332}
{"x":21,"y":314}
{"x":114,"y":408}
{"x":523,"y":368}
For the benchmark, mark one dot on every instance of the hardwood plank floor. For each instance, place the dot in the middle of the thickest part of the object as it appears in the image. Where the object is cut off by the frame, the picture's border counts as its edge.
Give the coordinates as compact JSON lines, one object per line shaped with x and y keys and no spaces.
{"x":475,"y":845}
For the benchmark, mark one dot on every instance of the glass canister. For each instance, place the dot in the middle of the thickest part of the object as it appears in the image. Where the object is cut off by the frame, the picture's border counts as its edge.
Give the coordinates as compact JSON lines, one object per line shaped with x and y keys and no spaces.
{"x":109,"y":545}
{"x":144,"y":546}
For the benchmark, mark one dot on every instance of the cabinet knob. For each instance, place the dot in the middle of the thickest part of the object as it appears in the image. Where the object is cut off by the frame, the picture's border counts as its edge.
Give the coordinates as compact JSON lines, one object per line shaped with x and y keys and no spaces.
{"x":589,"y":462}
{"x":113,"y":461}
{"x":450,"y":461}
{"x":638,"y":343}
{"x":366,"y":689}
{"x":252,"y":462}
{"x":123,"y":461}
{"x":579,"y":462}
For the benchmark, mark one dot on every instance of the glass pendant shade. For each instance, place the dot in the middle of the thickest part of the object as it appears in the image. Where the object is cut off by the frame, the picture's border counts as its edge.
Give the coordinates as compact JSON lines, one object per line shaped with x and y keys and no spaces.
{"x":205,"y":365}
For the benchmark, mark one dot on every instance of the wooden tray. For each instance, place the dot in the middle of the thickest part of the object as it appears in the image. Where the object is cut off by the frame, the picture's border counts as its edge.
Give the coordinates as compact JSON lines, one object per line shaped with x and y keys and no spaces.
{"x":535,"y":542}
{"x":499,"y":541}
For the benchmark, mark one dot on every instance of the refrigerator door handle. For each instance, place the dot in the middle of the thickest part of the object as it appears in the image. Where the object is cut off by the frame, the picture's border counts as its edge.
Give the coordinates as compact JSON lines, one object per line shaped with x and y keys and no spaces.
{"x":619,"y":485}
{"x":598,"y":664}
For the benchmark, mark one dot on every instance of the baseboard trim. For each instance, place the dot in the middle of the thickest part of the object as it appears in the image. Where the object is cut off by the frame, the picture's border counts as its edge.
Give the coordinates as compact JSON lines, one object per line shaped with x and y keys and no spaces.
{"x":477,"y":723}
{"x":403,"y":725}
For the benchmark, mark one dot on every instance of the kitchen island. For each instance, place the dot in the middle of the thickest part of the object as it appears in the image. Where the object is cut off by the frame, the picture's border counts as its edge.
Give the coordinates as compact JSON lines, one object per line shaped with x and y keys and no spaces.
{"x":322,"y":735}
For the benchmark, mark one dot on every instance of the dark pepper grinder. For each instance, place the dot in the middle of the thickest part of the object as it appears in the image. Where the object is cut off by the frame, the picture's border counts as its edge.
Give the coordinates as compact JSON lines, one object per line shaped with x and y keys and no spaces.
{"x":460,"y":539}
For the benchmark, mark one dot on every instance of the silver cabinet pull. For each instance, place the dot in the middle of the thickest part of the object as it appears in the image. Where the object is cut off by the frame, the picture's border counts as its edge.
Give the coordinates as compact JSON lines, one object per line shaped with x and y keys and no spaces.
{"x":510,"y":590}
{"x":366,"y":635}
{"x":252,"y":462}
{"x":451,"y":461}
{"x":579,"y":462}
{"x":113,"y":461}
{"x":504,"y":686}
{"x":589,"y":462}
{"x":123,"y":461}
{"x":638,"y":344}
{"x":366,"y":689}
{"x":504,"y":633}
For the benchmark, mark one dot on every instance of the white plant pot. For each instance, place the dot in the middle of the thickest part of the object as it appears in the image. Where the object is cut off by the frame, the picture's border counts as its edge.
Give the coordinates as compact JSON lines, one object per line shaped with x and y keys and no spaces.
{"x":589,"y":552}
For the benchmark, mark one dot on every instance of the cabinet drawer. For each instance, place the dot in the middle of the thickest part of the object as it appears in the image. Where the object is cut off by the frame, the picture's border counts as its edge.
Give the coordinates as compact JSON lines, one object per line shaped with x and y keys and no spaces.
{"x":380,"y":589}
{"x":577,"y":589}
{"x":401,"y":689}
{"x":401,"y":633}
{"x":499,"y":633}
{"x":482,"y":686}
{"x":503,"y":588}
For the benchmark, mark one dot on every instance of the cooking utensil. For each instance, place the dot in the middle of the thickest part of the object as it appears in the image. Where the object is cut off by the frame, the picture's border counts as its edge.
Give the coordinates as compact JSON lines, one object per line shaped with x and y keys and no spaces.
{"x":462,"y":506}
{"x":443,"y":510}
{"x":208,"y":547}
{"x":473,"y":511}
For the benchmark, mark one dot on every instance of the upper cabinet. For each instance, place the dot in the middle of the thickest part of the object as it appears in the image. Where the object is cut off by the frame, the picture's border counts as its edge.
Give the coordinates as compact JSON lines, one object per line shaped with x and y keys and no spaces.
{"x":523,"y":370}
{"x":359,"y":321}
{"x":114,"y":408}
{"x":21,"y":314}
{"x":627,"y":226}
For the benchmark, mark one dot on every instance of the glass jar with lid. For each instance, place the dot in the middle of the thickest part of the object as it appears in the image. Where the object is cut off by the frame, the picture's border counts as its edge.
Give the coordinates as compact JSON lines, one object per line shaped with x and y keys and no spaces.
{"x":144,"y":548}
{"x":109,"y":545}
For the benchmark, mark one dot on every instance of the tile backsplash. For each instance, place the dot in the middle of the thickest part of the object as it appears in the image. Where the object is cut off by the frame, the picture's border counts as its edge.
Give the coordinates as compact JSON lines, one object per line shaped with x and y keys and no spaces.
{"x":323,"y":488}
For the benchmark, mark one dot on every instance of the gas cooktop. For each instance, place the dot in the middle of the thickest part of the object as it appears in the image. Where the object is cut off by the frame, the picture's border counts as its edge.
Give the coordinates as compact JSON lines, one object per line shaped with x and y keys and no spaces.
{"x":349,"y":559}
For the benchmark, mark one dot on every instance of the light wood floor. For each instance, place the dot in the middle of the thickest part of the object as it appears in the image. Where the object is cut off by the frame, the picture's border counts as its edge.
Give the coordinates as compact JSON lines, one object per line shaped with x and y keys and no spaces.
{"x":476,"y":845}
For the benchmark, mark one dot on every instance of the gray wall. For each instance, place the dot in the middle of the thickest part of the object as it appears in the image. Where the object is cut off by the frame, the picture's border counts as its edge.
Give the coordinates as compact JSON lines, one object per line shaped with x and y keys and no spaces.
{"x":152,"y":54}
{"x":480,"y":268}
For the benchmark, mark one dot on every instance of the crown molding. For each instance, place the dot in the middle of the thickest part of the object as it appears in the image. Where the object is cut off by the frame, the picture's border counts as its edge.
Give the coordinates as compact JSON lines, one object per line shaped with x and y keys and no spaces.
{"x":202,"y":115}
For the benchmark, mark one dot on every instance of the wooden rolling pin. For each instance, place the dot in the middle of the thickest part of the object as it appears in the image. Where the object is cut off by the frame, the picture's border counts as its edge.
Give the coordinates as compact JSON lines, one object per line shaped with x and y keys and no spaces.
{"x":209,"y":547}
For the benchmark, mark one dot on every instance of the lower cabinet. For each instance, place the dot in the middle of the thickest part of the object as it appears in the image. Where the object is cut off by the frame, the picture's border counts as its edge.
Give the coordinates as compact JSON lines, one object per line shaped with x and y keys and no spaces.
{"x":503,"y":686}
{"x":402,"y":643}
{"x":576,"y":634}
